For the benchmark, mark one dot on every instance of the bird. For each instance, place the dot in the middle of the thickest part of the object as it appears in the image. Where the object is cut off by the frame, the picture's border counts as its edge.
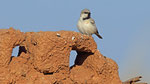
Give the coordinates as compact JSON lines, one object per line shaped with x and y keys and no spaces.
{"x":86,"y":25}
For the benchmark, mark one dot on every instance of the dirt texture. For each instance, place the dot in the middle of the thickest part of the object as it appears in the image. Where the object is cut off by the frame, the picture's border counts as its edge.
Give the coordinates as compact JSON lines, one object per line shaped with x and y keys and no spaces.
{"x":43,"y":58}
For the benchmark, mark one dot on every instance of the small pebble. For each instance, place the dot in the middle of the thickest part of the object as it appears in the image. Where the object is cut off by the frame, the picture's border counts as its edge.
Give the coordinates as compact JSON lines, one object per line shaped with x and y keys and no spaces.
{"x":73,"y":38}
{"x":58,"y":34}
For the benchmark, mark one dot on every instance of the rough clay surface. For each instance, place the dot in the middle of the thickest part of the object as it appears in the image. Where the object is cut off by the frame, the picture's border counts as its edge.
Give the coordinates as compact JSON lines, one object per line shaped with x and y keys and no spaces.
{"x":43,"y":58}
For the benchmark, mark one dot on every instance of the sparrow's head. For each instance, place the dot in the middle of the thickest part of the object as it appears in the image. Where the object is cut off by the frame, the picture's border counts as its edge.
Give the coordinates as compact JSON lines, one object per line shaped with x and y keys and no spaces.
{"x":85,"y":14}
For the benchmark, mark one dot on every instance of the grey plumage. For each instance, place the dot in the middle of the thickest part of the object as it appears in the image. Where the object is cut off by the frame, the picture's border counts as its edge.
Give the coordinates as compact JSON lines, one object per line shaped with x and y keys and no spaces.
{"x":86,"y":25}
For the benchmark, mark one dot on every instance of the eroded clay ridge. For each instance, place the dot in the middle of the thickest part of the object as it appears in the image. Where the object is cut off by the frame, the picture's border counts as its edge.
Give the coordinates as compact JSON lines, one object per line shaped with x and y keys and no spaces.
{"x":43,"y":58}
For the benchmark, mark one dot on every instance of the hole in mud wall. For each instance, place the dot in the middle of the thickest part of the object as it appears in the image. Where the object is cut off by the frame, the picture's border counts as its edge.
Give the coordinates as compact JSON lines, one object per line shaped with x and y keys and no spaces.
{"x":73,"y":55}
{"x":18,"y":50}
{"x":81,"y":57}
{"x":15,"y":51}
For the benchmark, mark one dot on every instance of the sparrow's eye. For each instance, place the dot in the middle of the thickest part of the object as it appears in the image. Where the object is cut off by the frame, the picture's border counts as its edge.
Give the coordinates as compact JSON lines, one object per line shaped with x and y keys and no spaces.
{"x":86,"y":12}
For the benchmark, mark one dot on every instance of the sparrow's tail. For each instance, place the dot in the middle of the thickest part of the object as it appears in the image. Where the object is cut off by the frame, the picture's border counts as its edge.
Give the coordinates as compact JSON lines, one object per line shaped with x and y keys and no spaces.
{"x":99,"y":35}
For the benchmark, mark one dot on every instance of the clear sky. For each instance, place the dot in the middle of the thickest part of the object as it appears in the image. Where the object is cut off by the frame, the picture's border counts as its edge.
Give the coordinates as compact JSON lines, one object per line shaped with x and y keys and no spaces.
{"x":124,"y":25}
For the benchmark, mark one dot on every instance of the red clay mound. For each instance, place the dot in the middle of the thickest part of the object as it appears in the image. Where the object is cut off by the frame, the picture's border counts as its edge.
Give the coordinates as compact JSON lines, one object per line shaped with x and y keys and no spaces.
{"x":44,"y":59}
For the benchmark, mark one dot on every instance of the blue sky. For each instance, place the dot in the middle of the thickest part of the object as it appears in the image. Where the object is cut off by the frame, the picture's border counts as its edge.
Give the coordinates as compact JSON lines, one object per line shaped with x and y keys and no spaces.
{"x":124,"y":25}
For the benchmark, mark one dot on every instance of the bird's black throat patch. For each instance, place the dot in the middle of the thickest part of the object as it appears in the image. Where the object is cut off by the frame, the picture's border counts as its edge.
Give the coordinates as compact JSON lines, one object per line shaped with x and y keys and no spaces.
{"x":89,"y":16}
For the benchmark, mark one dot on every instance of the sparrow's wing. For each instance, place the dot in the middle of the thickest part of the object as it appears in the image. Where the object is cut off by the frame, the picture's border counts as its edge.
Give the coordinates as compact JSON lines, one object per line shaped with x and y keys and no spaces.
{"x":97,"y":33}
{"x":92,"y":21}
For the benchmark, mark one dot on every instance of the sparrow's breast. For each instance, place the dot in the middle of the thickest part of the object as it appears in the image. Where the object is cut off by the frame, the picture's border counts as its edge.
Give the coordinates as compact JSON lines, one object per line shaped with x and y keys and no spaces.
{"x":89,"y":27}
